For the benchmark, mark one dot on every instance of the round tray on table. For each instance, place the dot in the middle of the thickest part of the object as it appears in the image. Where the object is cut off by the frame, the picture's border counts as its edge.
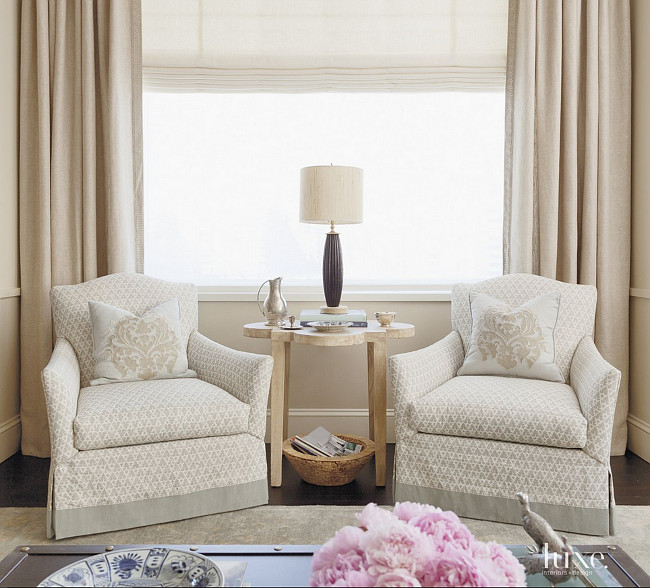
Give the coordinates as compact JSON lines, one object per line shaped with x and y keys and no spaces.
{"x":330,"y":471}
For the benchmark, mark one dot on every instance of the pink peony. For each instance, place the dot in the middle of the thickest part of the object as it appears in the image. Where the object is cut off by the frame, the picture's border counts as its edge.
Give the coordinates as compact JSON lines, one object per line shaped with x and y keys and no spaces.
{"x":357,"y":579}
{"x":346,"y":540}
{"x":454,"y":567}
{"x":499,"y":564}
{"x":514,"y":572}
{"x":445,"y":528}
{"x":406,"y":511}
{"x":345,"y":570}
{"x":372,"y":516}
{"x":480,"y":550}
{"x":395,"y":545}
{"x":398,"y":578}
{"x":417,"y":545}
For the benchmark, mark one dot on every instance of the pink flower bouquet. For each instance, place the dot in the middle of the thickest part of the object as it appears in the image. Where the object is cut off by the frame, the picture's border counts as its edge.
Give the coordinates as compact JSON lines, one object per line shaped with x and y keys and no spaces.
{"x":415,"y":545}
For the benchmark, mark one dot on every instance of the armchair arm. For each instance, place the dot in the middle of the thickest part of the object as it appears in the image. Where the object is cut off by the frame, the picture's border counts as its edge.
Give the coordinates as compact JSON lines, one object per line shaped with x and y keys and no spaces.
{"x":61,"y":386}
{"x":595,"y":383}
{"x":247,"y":376}
{"x":414,"y":374}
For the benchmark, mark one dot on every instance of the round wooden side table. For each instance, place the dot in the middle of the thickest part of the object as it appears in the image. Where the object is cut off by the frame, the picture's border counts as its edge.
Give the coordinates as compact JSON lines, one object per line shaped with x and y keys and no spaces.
{"x":376,"y":338}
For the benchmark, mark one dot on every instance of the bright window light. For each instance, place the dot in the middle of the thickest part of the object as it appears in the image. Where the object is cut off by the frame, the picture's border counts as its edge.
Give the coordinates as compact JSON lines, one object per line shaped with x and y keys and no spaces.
{"x":222,"y":185}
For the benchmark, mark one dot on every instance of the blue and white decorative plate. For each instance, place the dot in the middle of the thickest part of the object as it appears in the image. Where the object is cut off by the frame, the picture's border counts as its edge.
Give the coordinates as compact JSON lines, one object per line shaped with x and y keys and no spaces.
{"x":155,"y":566}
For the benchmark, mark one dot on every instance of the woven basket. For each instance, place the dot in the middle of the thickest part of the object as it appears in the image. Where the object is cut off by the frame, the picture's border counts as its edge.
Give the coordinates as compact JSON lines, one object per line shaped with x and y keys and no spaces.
{"x":330,"y":471}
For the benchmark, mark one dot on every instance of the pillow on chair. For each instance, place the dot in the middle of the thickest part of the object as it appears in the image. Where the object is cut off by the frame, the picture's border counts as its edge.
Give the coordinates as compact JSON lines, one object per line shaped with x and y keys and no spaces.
{"x":128,"y":348}
{"x":513,"y":342}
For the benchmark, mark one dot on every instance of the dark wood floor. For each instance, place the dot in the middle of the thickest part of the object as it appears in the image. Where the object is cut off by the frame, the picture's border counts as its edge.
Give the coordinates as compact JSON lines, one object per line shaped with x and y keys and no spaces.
{"x":23,"y":482}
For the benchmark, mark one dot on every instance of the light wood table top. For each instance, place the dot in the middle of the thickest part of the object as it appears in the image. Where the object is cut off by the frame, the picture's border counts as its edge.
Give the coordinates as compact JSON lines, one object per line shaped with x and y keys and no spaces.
{"x":350,"y":336}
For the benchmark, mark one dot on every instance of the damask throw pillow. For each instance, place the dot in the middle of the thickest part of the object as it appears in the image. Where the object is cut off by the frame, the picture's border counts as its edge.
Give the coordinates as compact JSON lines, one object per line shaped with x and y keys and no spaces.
{"x":513,"y":342}
{"x":128,"y":348}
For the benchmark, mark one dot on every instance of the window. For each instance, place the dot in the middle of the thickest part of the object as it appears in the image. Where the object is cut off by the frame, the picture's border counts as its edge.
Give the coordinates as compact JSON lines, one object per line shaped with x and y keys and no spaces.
{"x":222,"y":175}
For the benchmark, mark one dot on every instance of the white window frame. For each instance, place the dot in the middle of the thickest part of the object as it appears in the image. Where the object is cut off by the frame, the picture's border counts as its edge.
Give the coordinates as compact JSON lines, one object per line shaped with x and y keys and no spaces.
{"x":351,"y":293}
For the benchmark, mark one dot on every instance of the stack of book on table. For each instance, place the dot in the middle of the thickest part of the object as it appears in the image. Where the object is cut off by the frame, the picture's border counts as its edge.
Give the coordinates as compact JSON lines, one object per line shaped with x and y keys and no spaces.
{"x":358,"y":318}
{"x":322,"y":443}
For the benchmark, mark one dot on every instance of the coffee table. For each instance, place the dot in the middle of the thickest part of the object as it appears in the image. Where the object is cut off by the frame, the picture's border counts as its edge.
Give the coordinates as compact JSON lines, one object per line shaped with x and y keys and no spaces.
{"x":268,"y":565}
{"x":376,"y":338}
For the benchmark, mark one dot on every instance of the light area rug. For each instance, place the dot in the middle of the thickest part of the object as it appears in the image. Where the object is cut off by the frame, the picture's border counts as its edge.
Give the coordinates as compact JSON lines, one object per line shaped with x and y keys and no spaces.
{"x":296,"y":525}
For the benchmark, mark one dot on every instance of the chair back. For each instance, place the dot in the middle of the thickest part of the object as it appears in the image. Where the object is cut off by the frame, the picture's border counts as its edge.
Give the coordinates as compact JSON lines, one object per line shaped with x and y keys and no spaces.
{"x":575,"y":319}
{"x":133,"y":292}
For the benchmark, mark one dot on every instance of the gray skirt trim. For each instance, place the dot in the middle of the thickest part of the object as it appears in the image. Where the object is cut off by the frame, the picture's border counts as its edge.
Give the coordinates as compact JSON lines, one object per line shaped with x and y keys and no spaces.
{"x":112,"y":517}
{"x":587,"y":521}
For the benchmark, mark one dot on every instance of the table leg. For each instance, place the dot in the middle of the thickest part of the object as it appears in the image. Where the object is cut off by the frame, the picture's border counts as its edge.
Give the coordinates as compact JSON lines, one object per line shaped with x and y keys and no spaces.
{"x":287,"y":362}
{"x":379,"y":359}
{"x":277,"y":410}
{"x":371,"y":391}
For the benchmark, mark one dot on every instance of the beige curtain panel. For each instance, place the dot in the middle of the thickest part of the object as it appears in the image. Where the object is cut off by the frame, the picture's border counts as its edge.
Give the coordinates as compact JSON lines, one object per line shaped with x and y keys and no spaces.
{"x":80,"y":167}
{"x":567,"y":168}
{"x":323,"y":45}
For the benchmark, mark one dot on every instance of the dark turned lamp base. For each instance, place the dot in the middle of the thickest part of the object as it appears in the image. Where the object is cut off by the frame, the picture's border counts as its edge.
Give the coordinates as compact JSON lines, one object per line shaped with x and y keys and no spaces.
{"x":333,"y":275}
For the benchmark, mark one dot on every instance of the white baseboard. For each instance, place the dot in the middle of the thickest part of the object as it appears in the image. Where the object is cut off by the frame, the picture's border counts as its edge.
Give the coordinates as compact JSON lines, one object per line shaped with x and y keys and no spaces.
{"x":638,"y":437}
{"x":9,"y":437}
{"x":337,"y":420}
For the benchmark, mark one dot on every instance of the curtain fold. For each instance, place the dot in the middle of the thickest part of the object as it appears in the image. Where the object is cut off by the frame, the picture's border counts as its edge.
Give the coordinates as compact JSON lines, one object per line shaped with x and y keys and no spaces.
{"x":567,"y":165}
{"x":80,"y":167}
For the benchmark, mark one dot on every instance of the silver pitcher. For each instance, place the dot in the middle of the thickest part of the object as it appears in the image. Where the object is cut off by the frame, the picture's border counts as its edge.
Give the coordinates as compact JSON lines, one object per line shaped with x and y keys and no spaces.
{"x":275,"y":306}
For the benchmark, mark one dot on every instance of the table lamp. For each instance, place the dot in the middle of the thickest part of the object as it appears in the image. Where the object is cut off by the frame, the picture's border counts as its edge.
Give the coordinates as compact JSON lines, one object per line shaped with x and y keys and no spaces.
{"x":331,"y":194}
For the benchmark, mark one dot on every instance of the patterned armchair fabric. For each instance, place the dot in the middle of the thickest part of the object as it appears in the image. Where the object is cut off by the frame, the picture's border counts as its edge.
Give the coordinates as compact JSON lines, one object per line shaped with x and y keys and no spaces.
{"x":469,"y":443}
{"x":242,"y":374}
{"x":596,"y":384}
{"x":138,"y":453}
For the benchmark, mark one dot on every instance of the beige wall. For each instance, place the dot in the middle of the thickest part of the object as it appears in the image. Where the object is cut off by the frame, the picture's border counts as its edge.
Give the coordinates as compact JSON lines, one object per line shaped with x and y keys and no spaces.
{"x":328,"y":385}
{"x":639,"y":417}
{"x":9,"y":275}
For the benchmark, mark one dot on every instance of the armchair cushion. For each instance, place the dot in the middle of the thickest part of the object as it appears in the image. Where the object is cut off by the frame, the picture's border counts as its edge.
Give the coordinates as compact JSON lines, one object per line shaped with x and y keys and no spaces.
{"x":575,"y":317}
{"x":533,"y":412}
{"x":133,"y":292}
{"x":515,"y":342}
{"x":128,"y":348}
{"x":135,"y":413}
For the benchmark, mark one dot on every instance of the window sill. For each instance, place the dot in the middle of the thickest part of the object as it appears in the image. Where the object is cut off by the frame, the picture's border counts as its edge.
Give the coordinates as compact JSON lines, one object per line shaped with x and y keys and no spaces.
{"x":315,"y":294}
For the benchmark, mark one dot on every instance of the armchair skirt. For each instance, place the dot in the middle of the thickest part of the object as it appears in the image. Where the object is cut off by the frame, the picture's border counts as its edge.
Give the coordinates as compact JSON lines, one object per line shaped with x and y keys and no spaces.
{"x":123,"y":487}
{"x":477,"y":478}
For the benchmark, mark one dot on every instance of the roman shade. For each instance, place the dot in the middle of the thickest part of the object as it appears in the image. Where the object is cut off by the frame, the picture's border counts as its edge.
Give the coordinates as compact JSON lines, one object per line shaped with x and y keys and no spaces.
{"x":323,"y":45}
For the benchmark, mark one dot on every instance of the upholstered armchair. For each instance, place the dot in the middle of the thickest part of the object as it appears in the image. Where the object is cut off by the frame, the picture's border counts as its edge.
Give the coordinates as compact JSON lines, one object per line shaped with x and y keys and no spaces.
{"x":468,"y":443}
{"x":136,"y":453}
